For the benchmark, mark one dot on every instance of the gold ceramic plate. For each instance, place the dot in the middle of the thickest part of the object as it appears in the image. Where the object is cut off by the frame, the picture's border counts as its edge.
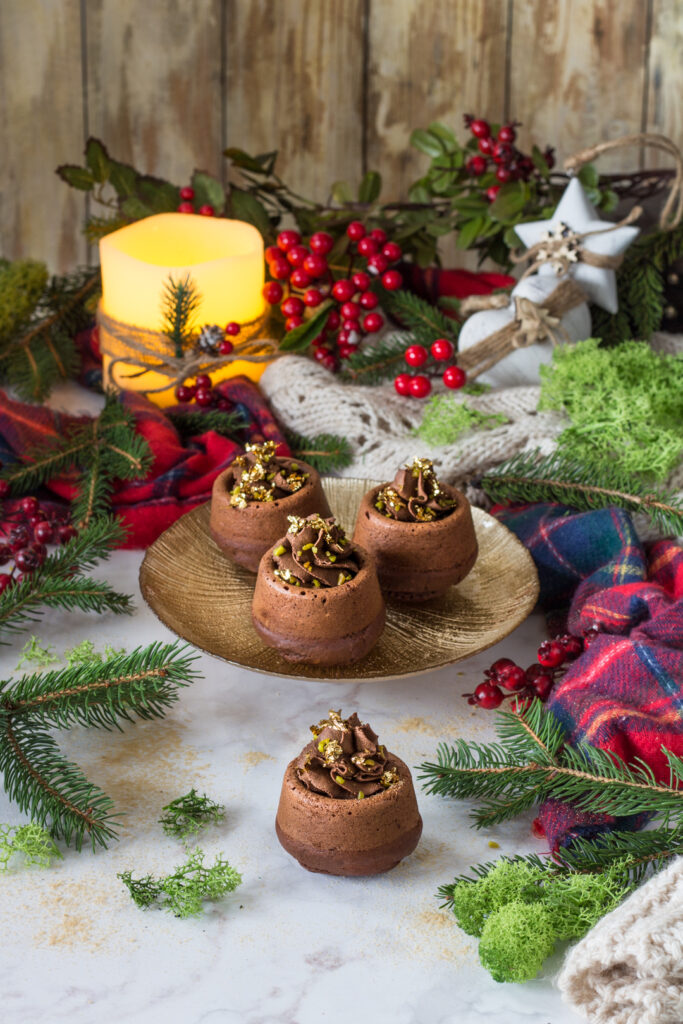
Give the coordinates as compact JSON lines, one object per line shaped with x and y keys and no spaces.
{"x":205,"y":598}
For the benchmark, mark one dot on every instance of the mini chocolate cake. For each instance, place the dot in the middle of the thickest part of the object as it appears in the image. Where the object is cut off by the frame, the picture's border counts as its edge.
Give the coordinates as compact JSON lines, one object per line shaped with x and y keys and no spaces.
{"x":317,"y":598}
{"x":347,"y":805}
{"x":420,"y":532}
{"x":253,"y":497}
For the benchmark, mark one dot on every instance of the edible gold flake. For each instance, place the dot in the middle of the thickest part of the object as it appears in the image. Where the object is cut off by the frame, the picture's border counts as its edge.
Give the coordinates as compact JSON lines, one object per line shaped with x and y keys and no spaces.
{"x":333,"y":721}
{"x":332,"y":751}
{"x":362,"y":760}
{"x":256,"y":481}
{"x":389,"y":778}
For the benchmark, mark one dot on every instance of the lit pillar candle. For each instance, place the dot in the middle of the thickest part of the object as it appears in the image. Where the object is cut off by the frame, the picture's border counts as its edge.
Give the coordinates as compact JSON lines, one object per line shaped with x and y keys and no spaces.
{"x":223,"y":257}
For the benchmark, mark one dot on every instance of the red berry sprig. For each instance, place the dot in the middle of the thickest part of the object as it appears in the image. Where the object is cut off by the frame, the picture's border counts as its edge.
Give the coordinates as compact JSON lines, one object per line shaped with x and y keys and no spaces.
{"x":417,"y":356}
{"x":26,"y":528}
{"x":301,"y":279}
{"x":504,"y":679}
{"x":500,"y":155}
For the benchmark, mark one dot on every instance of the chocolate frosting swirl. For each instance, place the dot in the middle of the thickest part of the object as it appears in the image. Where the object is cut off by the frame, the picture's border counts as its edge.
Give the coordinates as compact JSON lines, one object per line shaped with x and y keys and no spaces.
{"x":415,"y":495}
{"x":315,"y":552}
{"x":345,"y":760}
{"x":261,"y":475}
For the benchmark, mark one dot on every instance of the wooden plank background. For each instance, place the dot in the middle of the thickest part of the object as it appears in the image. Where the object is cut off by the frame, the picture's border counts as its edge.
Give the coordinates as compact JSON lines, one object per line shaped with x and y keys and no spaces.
{"x":335,"y":85}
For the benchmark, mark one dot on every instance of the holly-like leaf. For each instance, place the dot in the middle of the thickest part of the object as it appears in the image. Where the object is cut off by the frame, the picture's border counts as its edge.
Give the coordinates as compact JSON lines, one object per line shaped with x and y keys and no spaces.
{"x":448,"y":139}
{"x":509,"y":202}
{"x":77,"y":177}
{"x":370,"y":187}
{"x":97,"y":159}
{"x":469,"y":231}
{"x":588,"y":176}
{"x":161,"y":196}
{"x":123,"y":178}
{"x":134,"y":208}
{"x":248,"y":208}
{"x":341,"y":192}
{"x":427,"y":142}
{"x":300,"y":338}
{"x":208,"y":191}
{"x":246,"y":162}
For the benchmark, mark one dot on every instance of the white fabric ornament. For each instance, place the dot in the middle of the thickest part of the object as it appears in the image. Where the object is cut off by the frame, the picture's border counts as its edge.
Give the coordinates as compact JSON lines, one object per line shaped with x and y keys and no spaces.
{"x":577,"y":213}
{"x":521,"y":366}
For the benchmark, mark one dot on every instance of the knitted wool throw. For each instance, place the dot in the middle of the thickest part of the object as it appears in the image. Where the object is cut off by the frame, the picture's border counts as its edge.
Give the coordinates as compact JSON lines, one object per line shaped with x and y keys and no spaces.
{"x":629,"y":968}
{"x":378,"y":423}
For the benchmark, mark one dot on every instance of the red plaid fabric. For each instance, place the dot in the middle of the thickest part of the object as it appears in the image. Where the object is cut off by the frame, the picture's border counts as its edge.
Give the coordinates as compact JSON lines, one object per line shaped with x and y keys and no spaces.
{"x":625,"y":693}
{"x":181,"y":476}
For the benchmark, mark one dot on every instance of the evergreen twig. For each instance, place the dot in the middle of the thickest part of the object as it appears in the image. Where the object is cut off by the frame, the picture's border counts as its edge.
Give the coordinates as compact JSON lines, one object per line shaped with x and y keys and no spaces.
{"x":191,"y":423}
{"x":180,"y":302}
{"x":425,"y":321}
{"x":376,"y":363}
{"x":533,"y":477}
{"x":121,"y":688}
{"x":325,"y":452}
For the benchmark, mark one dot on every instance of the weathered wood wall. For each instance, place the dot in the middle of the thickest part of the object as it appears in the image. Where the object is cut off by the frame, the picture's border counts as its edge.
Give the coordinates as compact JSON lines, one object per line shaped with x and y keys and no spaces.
{"x":335,"y":85}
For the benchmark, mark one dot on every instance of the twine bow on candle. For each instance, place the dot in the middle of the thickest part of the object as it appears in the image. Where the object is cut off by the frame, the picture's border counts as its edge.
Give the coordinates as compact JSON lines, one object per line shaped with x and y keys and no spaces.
{"x":535,"y":323}
{"x":151,"y":351}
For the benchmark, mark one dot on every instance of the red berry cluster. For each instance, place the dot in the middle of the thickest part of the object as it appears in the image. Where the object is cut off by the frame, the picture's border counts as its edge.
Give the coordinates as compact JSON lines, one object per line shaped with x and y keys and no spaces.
{"x":24,"y":534}
{"x":202,"y":393}
{"x":302,"y":279}
{"x":417,"y":356}
{"x":509,"y":163}
{"x":187,"y":204}
{"x":506,"y":679}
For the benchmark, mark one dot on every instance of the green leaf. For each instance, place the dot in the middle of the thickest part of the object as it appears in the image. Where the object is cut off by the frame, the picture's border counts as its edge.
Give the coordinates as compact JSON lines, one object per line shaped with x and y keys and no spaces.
{"x":427,"y":142}
{"x":588,"y":176}
{"x":540,"y":162}
{"x":123,"y":178}
{"x":509,"y":202}
{"x":469,"y":231}
{"x":471,"y":204}
{"x":97,"y":159}
{"x":419,"y":193}
{"x":247,"y":207}
{"x":370,"y":187}
{"x":341,"y":192}
{"x":300,"y":338}
{"x":246,"y":162}
{"x":77,"y":177}
{"x":208,"y":191}
{"x":447,"y":137}
{"x":161,"y":196}
{"x":135,"y":208}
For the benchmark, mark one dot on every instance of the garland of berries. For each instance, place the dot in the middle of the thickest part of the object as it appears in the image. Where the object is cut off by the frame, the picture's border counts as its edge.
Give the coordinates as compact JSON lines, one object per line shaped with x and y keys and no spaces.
{"x":341,"y":273}
{"x":26,"y":528}
{"x":417,"y":356}
{"x":506,"y":679}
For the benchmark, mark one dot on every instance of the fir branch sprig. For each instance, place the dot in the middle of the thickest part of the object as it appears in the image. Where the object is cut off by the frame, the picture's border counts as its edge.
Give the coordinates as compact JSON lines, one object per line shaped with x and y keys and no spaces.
{"x":376,"y":363}
{"x":40,"y":349}
{"x":325,"y":452}
{"x":61,"y":582}
{"x":105,"y":449}
{"x":533,"y":477}
{"x":532,"y":764}
{"x":190,"y":423}
{"x":425,"y":321}
{"x":123,"y":687}
{"x":180,"y":302}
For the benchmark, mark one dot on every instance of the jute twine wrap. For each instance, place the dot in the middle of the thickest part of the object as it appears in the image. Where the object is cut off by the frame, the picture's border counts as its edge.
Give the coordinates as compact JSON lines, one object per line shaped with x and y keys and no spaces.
{"x":152,"y":352}
{"x":534,"y":323}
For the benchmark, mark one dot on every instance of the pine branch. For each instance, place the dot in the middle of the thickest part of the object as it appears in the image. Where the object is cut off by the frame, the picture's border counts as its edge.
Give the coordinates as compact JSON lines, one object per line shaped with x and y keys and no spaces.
{"x":191,"y":423}
{"x":123,"y":687}
{"x":40,"y":780}
{"x":376,"y":363}
{"x":325,"y":452}
{"x":529,"y":766}
{"x":180,"y":302}
{"x":61,"y":581}
{"x":533,"y":477}
{"x":425,"y":321}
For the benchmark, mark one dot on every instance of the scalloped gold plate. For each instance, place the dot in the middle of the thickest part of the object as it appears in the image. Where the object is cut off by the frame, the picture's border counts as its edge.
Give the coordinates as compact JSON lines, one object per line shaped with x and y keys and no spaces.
{"x":205,"y":598}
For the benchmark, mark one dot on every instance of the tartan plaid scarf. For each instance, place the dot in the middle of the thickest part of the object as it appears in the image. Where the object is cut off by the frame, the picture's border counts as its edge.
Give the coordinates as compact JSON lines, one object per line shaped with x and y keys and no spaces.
{"x":625,"y":693}
{"x":182,"y":474}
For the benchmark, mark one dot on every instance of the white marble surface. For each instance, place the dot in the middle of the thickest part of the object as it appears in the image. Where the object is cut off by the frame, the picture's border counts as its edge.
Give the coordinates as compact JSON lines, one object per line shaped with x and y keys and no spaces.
{"x":288,"y":947}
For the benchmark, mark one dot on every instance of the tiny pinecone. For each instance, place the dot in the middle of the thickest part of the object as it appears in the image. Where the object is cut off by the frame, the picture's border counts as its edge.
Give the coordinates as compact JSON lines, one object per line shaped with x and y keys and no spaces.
{"x":210,"y":338}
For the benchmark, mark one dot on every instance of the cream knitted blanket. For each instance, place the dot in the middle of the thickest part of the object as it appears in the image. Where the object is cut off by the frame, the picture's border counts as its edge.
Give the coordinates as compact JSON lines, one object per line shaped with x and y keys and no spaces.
{"x":629,"y":968}
{"x":379,"y":423}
